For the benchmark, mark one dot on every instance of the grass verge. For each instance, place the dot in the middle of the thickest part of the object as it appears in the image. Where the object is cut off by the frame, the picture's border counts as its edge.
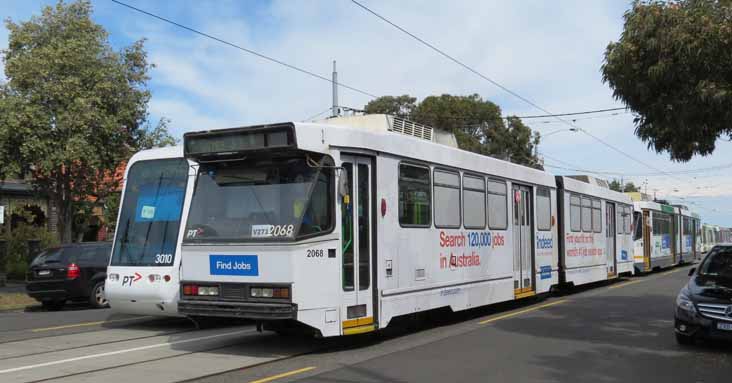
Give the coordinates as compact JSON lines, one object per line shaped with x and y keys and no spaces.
{"x":13,"y":301}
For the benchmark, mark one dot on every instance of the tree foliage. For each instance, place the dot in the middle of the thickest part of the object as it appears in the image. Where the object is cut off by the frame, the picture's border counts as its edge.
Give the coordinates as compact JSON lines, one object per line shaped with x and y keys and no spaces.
{"x":73,"y":108}
{"x":623,"y":187}
{"x":671,"y":67}
{"x":401,"y":106}
{"x":476,"y":123}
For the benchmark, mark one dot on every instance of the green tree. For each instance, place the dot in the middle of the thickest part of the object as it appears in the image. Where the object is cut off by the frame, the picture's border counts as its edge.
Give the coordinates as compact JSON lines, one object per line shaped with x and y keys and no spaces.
{"x":626,"y":187}
{"x":401,"y":106}
{"x":476,"y":123}
{"x":73,"y":108}
{"x":671,"y":66}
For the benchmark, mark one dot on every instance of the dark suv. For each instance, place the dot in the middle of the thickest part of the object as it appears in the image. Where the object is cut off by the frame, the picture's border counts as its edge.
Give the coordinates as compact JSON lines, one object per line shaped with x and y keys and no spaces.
{"x":704,"y":305}
{"x":73,"y":272}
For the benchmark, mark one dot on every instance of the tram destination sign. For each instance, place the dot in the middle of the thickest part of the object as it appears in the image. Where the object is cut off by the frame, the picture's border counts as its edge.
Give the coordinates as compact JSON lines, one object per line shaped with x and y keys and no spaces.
{"x":232,"y":142}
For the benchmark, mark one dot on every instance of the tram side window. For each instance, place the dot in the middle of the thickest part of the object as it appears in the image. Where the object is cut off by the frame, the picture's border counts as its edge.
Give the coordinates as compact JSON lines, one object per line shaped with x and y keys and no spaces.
{"x":637,"y":219}
{"x":619,"y":219}
{"x":626,"y":220}
{"x":586,"y":215}
{"x":543,"y":209}
{"x":575,"y":213}
{"x":596,"y":216}
{"x":497,"y":210}
{"x":414,"y":196}
{"x":447,"y":199}
{"x":474,"y":202}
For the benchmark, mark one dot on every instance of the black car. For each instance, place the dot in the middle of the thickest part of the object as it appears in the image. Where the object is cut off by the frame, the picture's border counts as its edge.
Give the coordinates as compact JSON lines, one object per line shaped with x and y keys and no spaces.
{"x":73,"y":272}
{"x":704,"y":305}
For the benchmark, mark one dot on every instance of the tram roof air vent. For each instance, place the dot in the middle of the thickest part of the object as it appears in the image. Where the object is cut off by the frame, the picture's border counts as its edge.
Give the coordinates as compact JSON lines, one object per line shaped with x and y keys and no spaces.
{"x":410,"y":128}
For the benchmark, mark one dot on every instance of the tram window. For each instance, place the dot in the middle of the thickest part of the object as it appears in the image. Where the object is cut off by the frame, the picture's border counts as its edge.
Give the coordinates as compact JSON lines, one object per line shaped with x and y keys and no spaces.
{"x":627,"y":222}
{"x":586,"y":215}
{"x":543,"y":209}
{"x":638,"y":226}
{"x":364,"y":238}
{"x":596,"y":216}
{"x":447,"y":199}
{"x":414,"y":196}
{"x":474,"y":202}
{"x":575,"y":213}
{"x":497,"y":205}
{"x":619,"y":219}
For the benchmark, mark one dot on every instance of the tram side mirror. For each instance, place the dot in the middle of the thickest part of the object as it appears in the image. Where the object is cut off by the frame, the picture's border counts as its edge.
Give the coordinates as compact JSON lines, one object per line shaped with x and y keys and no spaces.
{"x":691,"y":271}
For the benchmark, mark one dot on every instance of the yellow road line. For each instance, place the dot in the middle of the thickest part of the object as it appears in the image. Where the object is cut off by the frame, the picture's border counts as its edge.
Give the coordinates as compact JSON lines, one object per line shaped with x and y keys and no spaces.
{"x":86,"y":324}
{"x":283,"y":375}
{"x":509,"y":315}
{"x":672,"y":271}
{"x":627,"y":283}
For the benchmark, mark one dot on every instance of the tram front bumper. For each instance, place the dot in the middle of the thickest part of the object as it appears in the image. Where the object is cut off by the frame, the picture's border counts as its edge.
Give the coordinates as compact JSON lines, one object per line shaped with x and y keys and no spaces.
{"x":246,"y":310}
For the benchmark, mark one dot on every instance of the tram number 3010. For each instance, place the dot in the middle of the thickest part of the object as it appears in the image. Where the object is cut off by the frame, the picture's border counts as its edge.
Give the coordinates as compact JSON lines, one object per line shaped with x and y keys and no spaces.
{"x":316,"y":253}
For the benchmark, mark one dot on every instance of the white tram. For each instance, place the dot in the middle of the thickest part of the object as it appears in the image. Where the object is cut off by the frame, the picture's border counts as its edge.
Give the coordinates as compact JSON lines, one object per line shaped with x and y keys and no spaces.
{"x":664,"y":235}
{"x":595,"y":231}
{"x":346,"y":224}
{"x":143,"y":274}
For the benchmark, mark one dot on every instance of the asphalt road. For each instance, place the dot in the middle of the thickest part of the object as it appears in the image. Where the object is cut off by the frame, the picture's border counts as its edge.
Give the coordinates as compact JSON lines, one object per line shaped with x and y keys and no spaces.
{"x":618,"y":332}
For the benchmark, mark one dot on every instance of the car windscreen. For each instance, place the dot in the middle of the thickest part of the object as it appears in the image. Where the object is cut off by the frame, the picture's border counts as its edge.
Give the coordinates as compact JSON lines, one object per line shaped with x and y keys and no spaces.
{"x":718,"y":263}
{"x":262,"y":199}
{"x":150,"y":214}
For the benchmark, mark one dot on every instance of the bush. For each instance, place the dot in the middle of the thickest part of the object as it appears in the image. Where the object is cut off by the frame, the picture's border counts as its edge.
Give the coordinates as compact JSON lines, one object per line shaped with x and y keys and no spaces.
{"x":18,"y":250}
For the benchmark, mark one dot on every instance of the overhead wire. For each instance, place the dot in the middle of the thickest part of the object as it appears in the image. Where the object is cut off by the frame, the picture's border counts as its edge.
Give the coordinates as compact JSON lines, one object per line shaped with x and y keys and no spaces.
{"x":260,"y":55}
{"x":502,"y":87}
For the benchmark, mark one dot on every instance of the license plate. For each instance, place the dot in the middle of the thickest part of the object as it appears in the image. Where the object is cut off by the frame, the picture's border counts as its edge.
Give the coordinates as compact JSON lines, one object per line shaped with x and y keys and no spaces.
{"x":43,"y":273}
{"x":724,"y":326}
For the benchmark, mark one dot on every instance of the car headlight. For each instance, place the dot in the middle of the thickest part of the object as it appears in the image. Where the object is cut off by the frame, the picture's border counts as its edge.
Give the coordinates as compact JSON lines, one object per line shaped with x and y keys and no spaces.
{"x":684,"y":302}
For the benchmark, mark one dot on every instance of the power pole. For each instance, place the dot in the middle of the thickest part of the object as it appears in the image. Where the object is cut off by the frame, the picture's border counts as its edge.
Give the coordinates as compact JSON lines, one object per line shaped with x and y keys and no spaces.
{"x":335,"y":112}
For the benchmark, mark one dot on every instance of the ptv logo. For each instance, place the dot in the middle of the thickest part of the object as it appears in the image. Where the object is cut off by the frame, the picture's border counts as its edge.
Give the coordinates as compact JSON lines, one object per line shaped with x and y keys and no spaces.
{"x":129,"y":279}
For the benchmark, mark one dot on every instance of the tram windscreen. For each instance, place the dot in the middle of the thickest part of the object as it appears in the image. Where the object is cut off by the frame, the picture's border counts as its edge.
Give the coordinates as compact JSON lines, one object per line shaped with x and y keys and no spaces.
{"x":150,"y":215}
{"x":262,"y":199}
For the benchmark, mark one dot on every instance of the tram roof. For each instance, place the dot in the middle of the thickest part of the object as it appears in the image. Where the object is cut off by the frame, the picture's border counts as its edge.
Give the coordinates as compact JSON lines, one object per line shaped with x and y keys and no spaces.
{"x":574,"y":185}
{"x":320,"y":137}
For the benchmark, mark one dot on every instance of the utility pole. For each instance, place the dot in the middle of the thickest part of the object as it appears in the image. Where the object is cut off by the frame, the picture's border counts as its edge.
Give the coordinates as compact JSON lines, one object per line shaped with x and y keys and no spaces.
{"x":335,"y":112}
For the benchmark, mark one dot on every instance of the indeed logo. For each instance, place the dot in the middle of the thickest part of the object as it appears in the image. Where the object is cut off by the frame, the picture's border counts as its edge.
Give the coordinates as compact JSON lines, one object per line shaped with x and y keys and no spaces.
{"x":544,"y":243}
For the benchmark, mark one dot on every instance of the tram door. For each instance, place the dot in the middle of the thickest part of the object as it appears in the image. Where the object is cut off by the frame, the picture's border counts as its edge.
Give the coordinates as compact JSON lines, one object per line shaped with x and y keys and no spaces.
{"x":523,"y":241}
{"x":357,"y":315}
{"x":647,"y":239}
{"x":610,"y":252}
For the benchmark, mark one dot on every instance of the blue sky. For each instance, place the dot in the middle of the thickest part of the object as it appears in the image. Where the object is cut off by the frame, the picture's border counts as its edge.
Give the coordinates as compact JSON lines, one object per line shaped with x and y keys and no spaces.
{"x":548,"y":51}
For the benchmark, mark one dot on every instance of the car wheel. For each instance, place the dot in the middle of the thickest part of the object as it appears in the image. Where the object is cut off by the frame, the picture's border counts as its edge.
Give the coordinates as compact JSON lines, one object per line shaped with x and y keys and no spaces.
{"x":53,"y":305}
{"x":684,"y":340}
{"x":97,"y":298}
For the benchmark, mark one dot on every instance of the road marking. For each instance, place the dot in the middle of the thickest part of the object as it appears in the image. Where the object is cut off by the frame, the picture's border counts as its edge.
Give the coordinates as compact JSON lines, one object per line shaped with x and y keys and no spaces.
{"x":672,"y":271}
{"x":142,"y":348}
{"x":85,"y":324}
{"x":627,"y":283}
{"x":283,"y":375}
{"x":522,"y":311}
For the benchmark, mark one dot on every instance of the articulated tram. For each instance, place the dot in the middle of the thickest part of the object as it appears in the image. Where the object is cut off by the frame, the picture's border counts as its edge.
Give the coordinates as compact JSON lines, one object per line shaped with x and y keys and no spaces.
{"x":346,"y":224}
{"x":664,"y":235}
{"x":143,"y":274}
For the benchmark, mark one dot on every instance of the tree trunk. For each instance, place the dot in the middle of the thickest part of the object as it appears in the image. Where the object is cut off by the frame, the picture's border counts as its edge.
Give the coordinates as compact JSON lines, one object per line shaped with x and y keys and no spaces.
{"x":65,"y":217}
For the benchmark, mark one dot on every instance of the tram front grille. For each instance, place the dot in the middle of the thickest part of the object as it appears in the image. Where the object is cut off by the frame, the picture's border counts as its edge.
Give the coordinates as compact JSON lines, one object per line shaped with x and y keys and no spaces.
{"x":233,"y":291}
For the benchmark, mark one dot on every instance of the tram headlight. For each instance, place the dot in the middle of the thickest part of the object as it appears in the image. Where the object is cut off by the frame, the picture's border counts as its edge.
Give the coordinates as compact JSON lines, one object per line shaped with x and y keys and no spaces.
{"x":208,"y":290}
{"x":270,"y":292}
